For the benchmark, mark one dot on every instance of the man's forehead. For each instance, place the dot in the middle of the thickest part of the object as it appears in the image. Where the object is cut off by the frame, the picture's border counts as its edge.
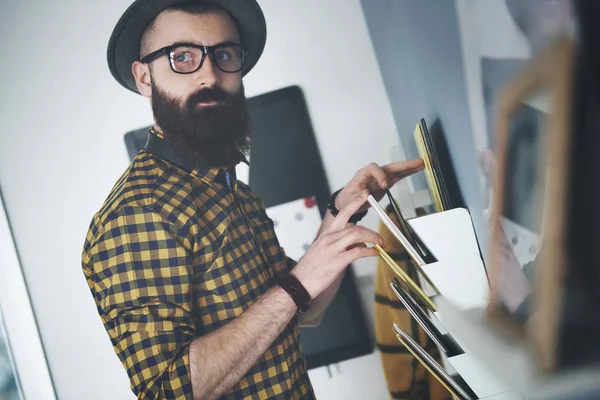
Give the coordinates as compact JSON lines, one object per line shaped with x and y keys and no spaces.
{"x":209,"y":28}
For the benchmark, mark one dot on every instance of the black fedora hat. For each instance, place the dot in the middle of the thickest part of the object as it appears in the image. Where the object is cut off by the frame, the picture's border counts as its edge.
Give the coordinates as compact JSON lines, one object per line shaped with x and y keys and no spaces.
{"x":124,"y":44}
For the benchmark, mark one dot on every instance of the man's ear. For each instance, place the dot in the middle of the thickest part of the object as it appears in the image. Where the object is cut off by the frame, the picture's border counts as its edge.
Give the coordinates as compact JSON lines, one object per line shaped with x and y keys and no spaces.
{"x":143,"y":78}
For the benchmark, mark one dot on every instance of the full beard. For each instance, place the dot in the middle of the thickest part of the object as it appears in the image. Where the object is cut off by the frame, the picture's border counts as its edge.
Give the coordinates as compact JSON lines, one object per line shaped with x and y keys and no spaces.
{"x":215,"y":136}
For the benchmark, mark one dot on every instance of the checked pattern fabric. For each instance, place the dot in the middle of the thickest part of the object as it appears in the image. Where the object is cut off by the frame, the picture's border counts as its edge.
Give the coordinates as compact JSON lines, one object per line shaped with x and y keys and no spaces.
{"x":174,"y":254}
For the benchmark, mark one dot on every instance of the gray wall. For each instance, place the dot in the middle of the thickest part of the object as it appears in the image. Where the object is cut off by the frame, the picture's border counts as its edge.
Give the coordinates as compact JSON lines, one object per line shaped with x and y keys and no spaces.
{"x":418,"y":48}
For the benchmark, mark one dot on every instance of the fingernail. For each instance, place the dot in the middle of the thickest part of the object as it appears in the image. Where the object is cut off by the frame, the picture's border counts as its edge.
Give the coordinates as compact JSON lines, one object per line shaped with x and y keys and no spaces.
{"x":364,"y":194}
{"x":384,"y":185}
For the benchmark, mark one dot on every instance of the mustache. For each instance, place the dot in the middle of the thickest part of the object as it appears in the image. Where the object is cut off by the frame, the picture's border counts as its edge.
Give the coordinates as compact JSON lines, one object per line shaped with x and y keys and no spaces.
{"x":213,"y":136}
{"x":208,"y":95}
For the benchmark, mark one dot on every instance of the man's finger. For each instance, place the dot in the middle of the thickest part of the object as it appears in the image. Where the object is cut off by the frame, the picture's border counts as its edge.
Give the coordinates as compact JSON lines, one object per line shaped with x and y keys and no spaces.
{"x":356,"y":245}
{"x":356,"y":235}
{"x":403,"y":168}
{"x":349,"y":210}
{"x":377,"y":173}
{"x":360,"y":236}
{"x":360,"y":252}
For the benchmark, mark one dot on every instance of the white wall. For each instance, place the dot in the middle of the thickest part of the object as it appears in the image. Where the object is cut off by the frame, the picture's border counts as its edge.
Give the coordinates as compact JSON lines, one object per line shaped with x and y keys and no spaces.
{"x":487,"y":30}
{"x":20,"y":342}
{"x":62,"y":122}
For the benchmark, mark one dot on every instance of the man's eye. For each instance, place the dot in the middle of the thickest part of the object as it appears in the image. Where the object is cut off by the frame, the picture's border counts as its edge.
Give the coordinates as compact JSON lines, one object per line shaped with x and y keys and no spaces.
{"x":182,"y":57}
{"x":223,"y":55}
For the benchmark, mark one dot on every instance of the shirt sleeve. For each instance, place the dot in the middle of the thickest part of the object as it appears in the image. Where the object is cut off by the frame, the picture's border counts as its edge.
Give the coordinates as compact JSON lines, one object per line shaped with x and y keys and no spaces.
{"x":290,"y":263}
{"x":142,"y":283}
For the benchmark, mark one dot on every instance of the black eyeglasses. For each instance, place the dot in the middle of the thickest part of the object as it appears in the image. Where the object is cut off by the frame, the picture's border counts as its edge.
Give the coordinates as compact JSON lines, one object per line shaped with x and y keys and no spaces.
{"x":187,"y":58}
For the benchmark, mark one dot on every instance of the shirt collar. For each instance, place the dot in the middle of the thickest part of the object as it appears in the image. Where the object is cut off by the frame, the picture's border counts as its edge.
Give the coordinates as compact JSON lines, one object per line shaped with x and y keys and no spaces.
{"x":157,"y":145}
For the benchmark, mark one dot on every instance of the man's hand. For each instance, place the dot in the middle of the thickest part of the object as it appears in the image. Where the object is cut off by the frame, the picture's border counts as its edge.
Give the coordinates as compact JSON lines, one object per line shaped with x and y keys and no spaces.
{"x":375,"y":180}
{"x":337,"y":246}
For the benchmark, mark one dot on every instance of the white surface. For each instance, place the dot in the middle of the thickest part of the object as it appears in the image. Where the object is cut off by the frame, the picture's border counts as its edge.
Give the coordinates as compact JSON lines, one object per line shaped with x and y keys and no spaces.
{"x":479,"y":379}
{"x":296,"y":226}
{"x":62,"y":150}
{"x":242,"y":172}
{"x":507,"y":361}
{"x":448,"y":234}
{"x":525,"y":243}
{"x":462,"y":280}
{"x":511,"y":361}
{"x":499,"y":36}
{"x":487,"y":30}
{"x":505,"y":396}
{"x":366,"y":385}
{"x":23,"y":337}
{"x":467,"y":13}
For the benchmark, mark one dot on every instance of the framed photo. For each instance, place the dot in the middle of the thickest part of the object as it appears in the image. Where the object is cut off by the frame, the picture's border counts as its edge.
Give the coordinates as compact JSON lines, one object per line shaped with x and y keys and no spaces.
{"x":531,"y":194}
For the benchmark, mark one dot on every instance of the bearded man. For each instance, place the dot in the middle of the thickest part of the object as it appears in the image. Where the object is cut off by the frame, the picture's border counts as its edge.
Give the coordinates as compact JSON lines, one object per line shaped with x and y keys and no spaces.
{"x":196,"y":295}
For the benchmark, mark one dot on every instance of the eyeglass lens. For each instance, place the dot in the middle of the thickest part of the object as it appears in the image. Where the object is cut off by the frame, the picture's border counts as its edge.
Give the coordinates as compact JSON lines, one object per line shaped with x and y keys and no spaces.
{"x":187,"y":59}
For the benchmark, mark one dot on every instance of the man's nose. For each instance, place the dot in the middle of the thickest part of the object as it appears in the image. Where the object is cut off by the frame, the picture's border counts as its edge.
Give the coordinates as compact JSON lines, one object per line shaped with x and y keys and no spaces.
{"x":208,"y":74}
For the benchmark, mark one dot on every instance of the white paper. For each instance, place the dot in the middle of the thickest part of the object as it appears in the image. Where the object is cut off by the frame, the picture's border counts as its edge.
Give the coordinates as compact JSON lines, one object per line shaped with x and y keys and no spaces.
{"x":296,"y":225}
{"x":525,"y":243}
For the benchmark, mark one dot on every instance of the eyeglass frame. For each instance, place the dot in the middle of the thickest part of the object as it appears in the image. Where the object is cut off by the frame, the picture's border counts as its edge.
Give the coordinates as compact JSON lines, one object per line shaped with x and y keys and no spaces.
{"x":206,"y":50}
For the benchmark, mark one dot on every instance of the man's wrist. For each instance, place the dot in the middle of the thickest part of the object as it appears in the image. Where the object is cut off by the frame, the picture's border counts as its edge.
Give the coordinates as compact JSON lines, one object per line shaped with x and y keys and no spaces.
{"x":333,"y":200}
{"x":285,"y":299}
{"x":296,"y":290}
{"x":337,"y":202}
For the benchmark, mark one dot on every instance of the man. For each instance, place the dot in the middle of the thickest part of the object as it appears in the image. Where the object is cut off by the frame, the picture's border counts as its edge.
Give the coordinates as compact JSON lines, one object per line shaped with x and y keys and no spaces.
{"x":197,"y":296}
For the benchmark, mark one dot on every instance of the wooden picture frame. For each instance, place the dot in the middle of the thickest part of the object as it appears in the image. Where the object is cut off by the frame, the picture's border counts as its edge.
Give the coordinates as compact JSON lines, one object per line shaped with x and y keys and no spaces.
{"x":551,"y":72}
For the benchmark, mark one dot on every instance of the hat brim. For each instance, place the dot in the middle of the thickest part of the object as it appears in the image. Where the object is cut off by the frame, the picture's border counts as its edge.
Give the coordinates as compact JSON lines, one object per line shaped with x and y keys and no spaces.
{"x":124,"y":44}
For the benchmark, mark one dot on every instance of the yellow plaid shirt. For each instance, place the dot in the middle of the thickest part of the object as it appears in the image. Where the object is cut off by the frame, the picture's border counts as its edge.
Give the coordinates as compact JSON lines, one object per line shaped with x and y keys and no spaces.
{"x":175,"y":253}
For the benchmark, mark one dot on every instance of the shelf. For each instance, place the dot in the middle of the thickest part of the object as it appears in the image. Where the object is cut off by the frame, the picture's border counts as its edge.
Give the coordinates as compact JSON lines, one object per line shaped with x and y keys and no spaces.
{"x":510,"y":361}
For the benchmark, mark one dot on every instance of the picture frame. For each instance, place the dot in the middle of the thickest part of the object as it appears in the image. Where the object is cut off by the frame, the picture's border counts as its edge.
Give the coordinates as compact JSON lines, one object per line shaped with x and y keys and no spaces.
{"x":443,"y":340}
{"x":431,"y":365}
{"x":550,"y":73}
